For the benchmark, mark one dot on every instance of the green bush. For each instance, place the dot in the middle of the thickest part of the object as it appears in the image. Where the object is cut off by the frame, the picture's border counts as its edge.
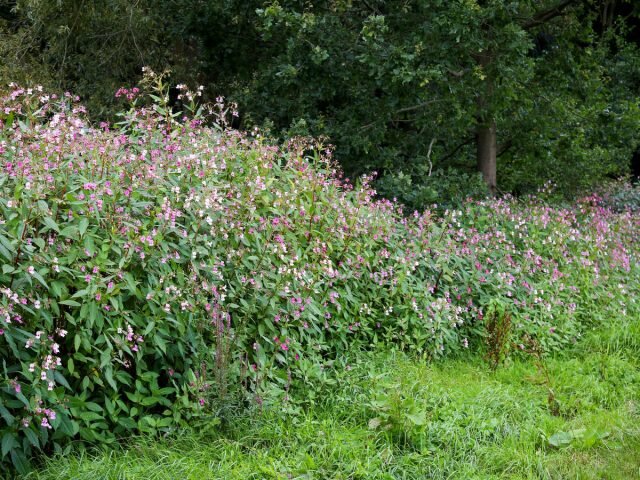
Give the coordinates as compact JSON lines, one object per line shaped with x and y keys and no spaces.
{"x":621,"y":196}
{"x":440,"y":189}
{"x":148,"y":268}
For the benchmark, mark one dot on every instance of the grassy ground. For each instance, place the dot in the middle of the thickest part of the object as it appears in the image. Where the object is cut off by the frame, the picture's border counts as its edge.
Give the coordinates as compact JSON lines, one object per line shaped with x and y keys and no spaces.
{"x":392,"y":417}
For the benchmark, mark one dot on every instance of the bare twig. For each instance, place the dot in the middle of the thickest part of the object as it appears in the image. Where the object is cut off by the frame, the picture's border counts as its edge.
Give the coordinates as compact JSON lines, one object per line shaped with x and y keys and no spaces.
{"x":429,"y":155}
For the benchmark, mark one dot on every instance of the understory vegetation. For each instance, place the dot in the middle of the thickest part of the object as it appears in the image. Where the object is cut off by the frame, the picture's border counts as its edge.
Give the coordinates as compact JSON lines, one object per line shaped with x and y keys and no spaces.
{"x":452,"y":419}
{"x":168,"y":273}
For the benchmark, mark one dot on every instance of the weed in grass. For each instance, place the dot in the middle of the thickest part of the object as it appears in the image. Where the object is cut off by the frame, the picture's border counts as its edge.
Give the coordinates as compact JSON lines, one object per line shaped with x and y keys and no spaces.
{"x":498,"y":334}
{"x":533,"y":348}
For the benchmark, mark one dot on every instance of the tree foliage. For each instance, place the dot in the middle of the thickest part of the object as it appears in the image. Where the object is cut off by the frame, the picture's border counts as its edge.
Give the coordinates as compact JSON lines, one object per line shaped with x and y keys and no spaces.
{"x":402,"y":87}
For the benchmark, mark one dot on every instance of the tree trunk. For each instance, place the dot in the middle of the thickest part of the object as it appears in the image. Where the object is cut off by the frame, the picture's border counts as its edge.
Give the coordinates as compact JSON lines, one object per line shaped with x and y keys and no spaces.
{"x":486,"y":136}
{"x":486,"y":152}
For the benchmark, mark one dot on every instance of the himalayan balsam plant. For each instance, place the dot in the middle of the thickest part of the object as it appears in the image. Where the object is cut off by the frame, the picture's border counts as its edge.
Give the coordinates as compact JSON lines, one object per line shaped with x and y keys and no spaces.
{"x":148,"y":266}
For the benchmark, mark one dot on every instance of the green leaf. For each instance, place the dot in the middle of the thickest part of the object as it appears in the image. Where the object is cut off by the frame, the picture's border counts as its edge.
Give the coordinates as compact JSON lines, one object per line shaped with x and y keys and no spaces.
{"x":109,"y":406}
{"x":84,"y":223}
{"x":108,"y":375}
{"x":94,"y":407}
{"x":90,"y":416}
{"x":93,"y":312}
{"x":418,"y":418}
{"x":32,"y":437}
{"x":60,"y":379}
{"x":148,"y":401}
{"x":6,"y":249}
{"x":20,"y":396}
{"x":68,"y":426}
{"x":8,"y":121}
{"x":56,"y":288}
{"x":8,"y":443}
{"x":149,"y":420}
{"x":563,"y":439}
{"x":38,"y":277}
{"x":20,"y":462}
{"x":127,"y":423}
{"x":7,"y":415}
{"x":160,"y":342}
{"x":70,"y":303}
{"x":70,"y":232}
{"x":148,"y":328}
{"x":164,"y":422}
{"x":51,"y":224}
{"x":4,"y":241}
{"x":131,"y":283}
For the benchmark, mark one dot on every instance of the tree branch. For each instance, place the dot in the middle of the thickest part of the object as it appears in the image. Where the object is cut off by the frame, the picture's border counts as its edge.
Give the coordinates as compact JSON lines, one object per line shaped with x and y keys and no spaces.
{"x":504,"y":147}
{"x":417,"y":107}
{"x":455,"y":150}
{"x":402,"y":110}
{"x":371,"y":7}
{"x":544,"y":16}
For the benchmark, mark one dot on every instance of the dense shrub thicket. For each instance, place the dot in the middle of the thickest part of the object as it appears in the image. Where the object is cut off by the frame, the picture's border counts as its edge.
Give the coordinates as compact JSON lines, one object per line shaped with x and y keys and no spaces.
{"x":144,"y":265}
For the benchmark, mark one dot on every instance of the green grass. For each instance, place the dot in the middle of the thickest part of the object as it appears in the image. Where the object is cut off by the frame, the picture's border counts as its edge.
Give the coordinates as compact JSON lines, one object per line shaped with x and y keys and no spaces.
{"x":448,"y":420}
